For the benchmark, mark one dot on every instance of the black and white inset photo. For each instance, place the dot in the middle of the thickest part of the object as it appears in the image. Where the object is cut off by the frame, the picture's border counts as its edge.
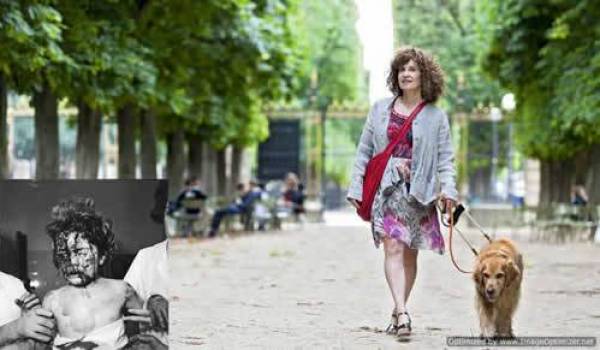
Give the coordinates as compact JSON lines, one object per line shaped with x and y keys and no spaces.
{"x":85,"y":262}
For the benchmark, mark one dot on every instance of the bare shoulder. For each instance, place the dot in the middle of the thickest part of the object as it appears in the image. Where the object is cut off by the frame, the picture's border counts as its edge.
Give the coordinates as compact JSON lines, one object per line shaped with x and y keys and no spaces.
{"x":52,"y":299}
{"x":120,"y":286}
{"x":115,"y":285}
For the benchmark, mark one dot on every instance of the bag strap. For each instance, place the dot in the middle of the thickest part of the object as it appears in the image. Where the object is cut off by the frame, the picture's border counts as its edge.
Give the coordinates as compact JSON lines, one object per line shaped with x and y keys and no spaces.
{"x":405,"y":127}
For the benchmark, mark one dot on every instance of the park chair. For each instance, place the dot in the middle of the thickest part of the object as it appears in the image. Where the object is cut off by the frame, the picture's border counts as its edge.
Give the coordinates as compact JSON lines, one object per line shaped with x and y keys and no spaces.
{"x":247,"y":217}
{"x":190,"y":223}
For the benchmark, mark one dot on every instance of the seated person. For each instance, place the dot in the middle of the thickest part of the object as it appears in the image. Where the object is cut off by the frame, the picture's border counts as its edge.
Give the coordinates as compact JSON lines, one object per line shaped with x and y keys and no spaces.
{"x":89,"y":310}
{"x":262,"y":213}
{"x":22,"y":320}
{"x":579,"y":199}
{"x":188,"y":207}
{"x":579,"y":195}
{"x":191,"y":197}
{"x":293,"y":194}
{"x":239,"y":206}
{"x":149,"y":276}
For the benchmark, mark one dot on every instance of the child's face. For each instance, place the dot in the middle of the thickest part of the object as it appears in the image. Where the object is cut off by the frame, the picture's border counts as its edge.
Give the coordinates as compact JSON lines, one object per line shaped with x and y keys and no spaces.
{"x":78,"y":259}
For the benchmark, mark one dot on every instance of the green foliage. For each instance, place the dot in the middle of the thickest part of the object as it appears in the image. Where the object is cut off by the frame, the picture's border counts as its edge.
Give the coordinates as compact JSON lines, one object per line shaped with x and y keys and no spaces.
{"x":231,"y":57}
{"x":205,"y":66}
{"x":548,"y":53}
{"x":110,"y":66}
{"x":30,"y":36}
{"x":331,"y":71}
{"x":454,"y":32}
{"x":342,"y":135}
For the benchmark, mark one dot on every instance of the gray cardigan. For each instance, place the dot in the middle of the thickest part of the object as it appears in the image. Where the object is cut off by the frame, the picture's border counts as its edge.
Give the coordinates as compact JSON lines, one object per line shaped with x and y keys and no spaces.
{"x":432,"y":166}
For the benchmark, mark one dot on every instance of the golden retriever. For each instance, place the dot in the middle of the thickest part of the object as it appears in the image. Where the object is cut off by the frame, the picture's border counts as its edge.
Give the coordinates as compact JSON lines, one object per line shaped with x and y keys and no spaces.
{"x":497,"y":275}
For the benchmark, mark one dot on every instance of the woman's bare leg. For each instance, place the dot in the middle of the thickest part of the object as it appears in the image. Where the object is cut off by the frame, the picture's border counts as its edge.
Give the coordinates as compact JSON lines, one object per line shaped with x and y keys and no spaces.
{"x":410,"y":270}
{"x":395,"y":274}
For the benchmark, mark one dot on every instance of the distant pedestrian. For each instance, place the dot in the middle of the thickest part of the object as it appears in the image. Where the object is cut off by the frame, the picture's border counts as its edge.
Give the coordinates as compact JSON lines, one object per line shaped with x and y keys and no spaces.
{"x":403,"y":215}
{"x":517,"y":190}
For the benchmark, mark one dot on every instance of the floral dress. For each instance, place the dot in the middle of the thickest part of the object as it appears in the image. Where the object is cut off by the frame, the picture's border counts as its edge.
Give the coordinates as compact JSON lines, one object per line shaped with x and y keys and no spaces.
{"x":397,"y":215}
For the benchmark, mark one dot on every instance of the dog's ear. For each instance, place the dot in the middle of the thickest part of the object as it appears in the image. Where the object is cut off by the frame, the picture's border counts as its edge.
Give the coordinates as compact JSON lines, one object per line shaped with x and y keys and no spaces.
{"x":478,"y":274}
{"x":512,"y":272}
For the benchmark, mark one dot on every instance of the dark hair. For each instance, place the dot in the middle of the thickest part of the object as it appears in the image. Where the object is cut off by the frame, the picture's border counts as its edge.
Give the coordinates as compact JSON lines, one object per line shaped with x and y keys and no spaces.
{"x":432,"y":76}
{"x":190,"y":180}
{"x":79,"y":215}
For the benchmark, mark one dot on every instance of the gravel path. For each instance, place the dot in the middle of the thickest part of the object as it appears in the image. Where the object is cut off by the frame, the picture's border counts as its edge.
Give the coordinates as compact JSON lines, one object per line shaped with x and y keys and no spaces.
{"x":322,"y":287}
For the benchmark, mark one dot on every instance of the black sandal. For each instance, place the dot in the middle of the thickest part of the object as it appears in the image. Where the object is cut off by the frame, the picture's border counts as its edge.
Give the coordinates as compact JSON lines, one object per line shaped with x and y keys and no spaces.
{"x":404,"y":328}
{"x":393,"y":326}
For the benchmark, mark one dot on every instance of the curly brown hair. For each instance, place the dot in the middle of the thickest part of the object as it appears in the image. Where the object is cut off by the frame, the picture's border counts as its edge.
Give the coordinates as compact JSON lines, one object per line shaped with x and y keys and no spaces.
{"x":432,"y":76}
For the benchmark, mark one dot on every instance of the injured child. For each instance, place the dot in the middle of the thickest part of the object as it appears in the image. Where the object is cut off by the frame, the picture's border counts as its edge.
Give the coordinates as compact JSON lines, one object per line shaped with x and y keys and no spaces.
{"x":89,"y":310}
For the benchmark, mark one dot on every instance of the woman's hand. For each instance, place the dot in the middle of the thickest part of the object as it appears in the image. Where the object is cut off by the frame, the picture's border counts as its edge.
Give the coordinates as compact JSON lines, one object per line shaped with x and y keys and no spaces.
{"x":404,"y":171}
{"x":448,"y":205}
{"x":354,"y":202}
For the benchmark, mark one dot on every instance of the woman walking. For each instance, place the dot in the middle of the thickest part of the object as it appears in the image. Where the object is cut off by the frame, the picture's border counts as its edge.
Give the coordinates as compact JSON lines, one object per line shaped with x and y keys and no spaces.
{"x":419,"y":172}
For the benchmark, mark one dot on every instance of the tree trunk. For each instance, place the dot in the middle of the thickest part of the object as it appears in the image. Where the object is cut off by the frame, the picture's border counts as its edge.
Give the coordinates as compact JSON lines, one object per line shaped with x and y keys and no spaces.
{"x":544,"y":199}
{"x":175,"y":161}
{"x":209,"y":169}
{"x":221,"y":173}
{"x":561,"y":179}
{"x":3,"y":129}
{"x":556,"y":179}
{"x":126,"y":139}
{"x":46,"y":134}
{"x":195,"y":151}
{"x":237,"y":158}
{"x":87,"y":149}
{"x":479,"y":183}
{"x":592,"y":180}
{"x":148,"y":144}
{"x":554,"y":182}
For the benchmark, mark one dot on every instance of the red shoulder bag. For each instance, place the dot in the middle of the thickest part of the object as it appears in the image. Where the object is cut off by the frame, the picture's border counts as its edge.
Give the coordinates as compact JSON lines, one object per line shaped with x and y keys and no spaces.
{"x":376,"y":167}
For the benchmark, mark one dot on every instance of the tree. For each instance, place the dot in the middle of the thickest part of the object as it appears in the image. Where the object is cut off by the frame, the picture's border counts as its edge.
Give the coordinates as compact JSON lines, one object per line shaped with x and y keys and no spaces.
{"x":455,"y":33}
{"x":109,"y":73}
{"x":330,"y":72}
{"x":547,"y":54}
{"x":219,"y":100}
{"x":30,"y":33}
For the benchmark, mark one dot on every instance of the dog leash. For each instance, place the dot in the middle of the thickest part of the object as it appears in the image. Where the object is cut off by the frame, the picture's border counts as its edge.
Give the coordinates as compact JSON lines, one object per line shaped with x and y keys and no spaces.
{"x":451,"y":227}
